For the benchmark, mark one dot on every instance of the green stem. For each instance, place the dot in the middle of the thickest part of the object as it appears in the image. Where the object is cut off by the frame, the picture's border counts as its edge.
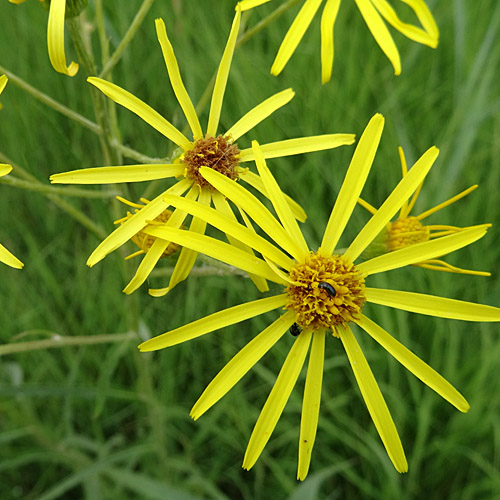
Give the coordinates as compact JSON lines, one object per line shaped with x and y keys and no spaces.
{"x":73,"y":115}
{"x":101,"y":30}
{"x":60,"y":341}
{"x":78,"y":215}
{"x":111,"y":106}
{"x":135,"y":155}
{"x":62,"y":204}
{"x":132,"y":30}
{"x":87,"y":61}
{"x":57,"y":106}
{"x":64,"y":191}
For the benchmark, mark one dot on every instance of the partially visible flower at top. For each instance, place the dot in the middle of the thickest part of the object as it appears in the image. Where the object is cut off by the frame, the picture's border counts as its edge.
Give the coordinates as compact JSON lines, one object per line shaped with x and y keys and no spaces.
{"x":216,"y":151}
{"x":373,"y":11}
{"x":322,"y":291}
{"x":55,"y":35}
{"x":5,"y":256}
{"x":408,"y":229}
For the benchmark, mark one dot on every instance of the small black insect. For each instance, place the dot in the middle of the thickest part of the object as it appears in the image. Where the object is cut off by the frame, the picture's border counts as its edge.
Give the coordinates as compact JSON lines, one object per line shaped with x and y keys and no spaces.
{"x":295,"y":330}
{"x":327,"y":288}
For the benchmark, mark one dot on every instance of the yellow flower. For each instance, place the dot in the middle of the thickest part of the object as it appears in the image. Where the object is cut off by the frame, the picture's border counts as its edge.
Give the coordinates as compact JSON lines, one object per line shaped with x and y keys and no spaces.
{"x":374,"y":13}
{"x":207,"y":148}
{"x":322,"y":291}
{"x":55,"y":37}
{"x":5,"y":256}
{"x":408,"y":229}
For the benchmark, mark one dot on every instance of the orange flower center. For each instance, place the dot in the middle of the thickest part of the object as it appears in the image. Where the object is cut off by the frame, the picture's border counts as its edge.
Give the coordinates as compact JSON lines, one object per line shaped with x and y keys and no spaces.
{"x":326,"y":291}
{"x":145,"y":241}
{"x":218,"y":153}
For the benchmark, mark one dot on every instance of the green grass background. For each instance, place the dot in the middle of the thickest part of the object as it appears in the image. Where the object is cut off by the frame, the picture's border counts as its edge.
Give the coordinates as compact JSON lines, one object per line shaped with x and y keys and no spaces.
{"x":104,"y":421}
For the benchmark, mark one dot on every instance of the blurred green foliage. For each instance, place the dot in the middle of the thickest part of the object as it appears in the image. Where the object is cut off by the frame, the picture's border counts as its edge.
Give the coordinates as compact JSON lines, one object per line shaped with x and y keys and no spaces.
{"x":103,"y":421}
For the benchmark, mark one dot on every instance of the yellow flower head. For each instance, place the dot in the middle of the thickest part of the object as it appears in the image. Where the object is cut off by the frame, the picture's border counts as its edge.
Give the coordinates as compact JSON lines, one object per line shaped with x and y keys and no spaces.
{"x":374,"y":13}
{"x":409,"y":230}
{"x":55,"y":37}
{"x":207,"y":149}
{"x":5,"y":256}
{"x":322,"y":290}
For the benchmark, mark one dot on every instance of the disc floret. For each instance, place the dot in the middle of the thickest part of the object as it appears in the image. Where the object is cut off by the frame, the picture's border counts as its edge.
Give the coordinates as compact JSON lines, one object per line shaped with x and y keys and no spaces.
{"x":141,"y":239}
{"x":145,"y":241}
{"x":218,"y":153}
{"x":326,"y":292}
{"x":406,"y":231}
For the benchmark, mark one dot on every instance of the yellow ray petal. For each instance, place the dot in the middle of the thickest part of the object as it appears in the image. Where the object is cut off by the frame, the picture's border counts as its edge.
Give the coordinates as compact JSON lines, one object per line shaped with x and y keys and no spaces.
{"x":414,"y":364}
{"x":327,"y":50}
{"x":440,"y":265}
{"x":147,"y":264}
{"x":5,"y":169}
{"x":278,"y":200}
{"x":176,"y":80}
{"x":310,"y":404}
{"x":422,"y":251}
{"x":253,"y":207}
{"x":409,"y":30}
{"x":141,"y":109}
{"x":154,"y":254}
{"x":295,"y":34}
{"x":233,"y":228}
{"x":353,"y":183}
{"x":404,"y":170}
{"x":135,"y":224}
{"x":222,"y":75}
{"x":217,"y":250}
{"x":374,"y":400}
{"x":424,"y":16}
{"x":259,"y":113}
{"x":118,"y":174}
{"x":246,"y":4}
{"x":299,"y":145}
{"x":380,"y":32}
{"x":277,"y":399}
{"x":241,"y":363}
{"x":446,"y":203}
{"x":223,"y":207}
{"x":432,"y":305}
{"x":3,"y":82}
{"x":367,"y":206}
{"x":284,"y":276}
{"x":392,"y":204}
{"x":8,"y":258}
{"x":187,"y":258}
{"x":55,"y":39}
{"x":256,"y":182}
{"x":406,"y":212}
{"x":215,"y":321}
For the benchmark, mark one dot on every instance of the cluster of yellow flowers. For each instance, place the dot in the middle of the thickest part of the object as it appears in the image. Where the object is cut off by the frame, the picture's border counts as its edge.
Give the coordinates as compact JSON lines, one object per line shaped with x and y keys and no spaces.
{"x":323,"y":290}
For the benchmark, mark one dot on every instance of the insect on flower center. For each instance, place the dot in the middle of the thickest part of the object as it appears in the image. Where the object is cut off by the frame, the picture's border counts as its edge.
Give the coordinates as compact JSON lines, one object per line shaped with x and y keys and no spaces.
{"x":326,"y":292}
{"x":405,"y":232}
{"x":218,"y":153}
